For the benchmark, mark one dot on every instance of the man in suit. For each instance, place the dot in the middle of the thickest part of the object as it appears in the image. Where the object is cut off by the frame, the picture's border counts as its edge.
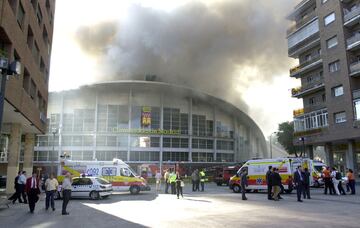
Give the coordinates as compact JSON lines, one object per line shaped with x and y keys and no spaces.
{"x":299,"y":182}
{"x":306,"y":189}
{"x":33,"y":191}
{"x":268,"y":182}
{"x":244,"y":183}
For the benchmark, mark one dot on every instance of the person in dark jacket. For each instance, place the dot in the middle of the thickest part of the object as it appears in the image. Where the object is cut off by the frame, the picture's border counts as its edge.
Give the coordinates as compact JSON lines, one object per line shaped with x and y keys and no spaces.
{"x":179,"y":185}
{"x":269,"y":187}
{"x":299,"y":182}
{"x":17,"y":194}
{"x":275,"y":180}
{"x":306,"y":189}
{"x":243,"y":183}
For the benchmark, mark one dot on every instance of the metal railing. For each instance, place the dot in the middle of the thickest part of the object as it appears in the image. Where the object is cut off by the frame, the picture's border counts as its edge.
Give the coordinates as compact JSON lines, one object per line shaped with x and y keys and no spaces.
{"x":351,"y":14}
{"x":305,"y":63}
{"x":354,"y":67}
{"x":308,"y":87}
{"x":353,"y":39}
{"x":301,"y":22}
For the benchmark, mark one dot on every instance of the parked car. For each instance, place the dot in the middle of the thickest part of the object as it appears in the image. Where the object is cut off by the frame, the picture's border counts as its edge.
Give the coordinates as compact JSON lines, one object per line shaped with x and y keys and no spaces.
{"x":223,"y":175}
{"x":89,"y":187}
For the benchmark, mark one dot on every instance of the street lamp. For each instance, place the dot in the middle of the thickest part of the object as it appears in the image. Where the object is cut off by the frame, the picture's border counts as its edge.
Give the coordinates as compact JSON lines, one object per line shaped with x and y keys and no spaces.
{"x":271,"y":143}
{"x":302,"y":139}
{"x":54,"y":131}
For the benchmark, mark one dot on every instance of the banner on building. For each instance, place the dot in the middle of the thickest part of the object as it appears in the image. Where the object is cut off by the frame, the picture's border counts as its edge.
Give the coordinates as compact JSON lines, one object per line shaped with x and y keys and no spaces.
{"x":146,"y":116}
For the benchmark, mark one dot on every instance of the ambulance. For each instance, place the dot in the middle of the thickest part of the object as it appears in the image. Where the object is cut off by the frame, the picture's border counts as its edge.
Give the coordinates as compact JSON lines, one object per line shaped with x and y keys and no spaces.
{"x":257,"y":173}
{"x":117,"y":172}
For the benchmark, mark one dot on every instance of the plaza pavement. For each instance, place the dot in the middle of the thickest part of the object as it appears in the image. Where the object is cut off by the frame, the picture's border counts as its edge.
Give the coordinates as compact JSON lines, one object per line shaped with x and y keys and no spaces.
{"x":216,"y":207}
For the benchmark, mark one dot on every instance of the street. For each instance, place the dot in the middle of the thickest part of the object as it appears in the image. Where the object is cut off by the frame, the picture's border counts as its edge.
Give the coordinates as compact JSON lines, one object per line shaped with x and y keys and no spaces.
{"x":216,"y":207}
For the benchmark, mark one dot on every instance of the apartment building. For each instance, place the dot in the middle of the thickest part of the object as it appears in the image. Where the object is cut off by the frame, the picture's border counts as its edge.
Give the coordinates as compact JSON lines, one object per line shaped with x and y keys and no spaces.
{"x":26,"y":31}
{"x":325,"y":38}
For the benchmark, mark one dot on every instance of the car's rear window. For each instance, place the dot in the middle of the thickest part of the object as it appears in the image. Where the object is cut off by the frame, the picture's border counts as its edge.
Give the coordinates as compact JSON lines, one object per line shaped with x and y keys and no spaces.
{"x":102,"y":181}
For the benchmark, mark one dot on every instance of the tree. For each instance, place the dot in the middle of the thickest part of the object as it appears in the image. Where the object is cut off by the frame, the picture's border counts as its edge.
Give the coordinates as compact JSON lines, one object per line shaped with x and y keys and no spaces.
{"x":285,"y":136}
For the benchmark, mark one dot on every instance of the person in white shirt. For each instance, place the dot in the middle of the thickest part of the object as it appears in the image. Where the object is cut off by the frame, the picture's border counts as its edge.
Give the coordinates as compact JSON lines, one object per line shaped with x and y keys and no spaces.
{"x":51,"y":186}
{"x":66,"y":189}
{"x":21,"y":185}
{"x":158,"y":177}
{"x":335,"y":181}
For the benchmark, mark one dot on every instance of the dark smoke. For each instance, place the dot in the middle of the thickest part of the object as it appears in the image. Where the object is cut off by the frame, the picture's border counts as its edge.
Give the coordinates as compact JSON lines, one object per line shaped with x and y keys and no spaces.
{"x":195,"y":45}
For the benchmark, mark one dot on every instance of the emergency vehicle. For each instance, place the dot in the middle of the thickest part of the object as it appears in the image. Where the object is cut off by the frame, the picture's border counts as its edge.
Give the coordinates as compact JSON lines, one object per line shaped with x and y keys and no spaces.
{"x":257,"y":173}
{"x":117,"y":172}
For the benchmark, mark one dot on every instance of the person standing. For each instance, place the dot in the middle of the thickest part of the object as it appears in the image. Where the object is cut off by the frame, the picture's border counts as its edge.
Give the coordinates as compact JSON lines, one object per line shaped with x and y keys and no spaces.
{"x":340,"y":185}
{"x":193,"y":180}
{"x":66,"y":191}
{"x":306,"y":190}
{"x":327,"y":180}
{"x":158,"y":180}
{"x":202,"y":179}
{"x":167,"y":183}
{"x":299,"y":182}
{"x":351,"y":180}
{"x":268,"y":183}
{"x":275,"y":180}
{"x":179,"y":185}
{"x":51,"y":186}
{"x":21,"y":185}
{"x":243,"y":183}
{"x":172,"y":178}
{"x":335,"y":180}
{"x":33,"y":191}
{"x":17,"y":194}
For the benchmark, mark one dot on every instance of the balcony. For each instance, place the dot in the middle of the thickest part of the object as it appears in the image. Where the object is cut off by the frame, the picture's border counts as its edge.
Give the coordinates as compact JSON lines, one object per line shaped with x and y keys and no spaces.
{"x":306,"y":66}
{"x":311,"y":122}
{"x":298,"y":112}
{"x":355,"y":69}
{"x":304,"y":36}
{"x":305,"y":4}
{"x":306,"y":19}
{"x":352,"y":17}
{"x":306,"y":90}
{"x":353,"y":43}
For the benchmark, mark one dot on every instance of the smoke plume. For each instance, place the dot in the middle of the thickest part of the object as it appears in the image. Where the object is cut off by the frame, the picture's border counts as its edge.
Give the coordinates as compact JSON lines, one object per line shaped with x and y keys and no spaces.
{"x":219,"y":48}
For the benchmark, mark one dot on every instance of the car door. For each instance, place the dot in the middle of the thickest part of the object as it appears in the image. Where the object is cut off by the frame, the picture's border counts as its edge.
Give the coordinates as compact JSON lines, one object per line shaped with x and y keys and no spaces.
{"x":84,"y":187}
{"x":75,"y":187}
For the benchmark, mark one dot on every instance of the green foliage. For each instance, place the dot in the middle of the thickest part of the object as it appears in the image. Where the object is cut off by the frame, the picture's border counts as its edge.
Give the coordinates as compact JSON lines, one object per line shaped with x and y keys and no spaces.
{"x":285,"y":136}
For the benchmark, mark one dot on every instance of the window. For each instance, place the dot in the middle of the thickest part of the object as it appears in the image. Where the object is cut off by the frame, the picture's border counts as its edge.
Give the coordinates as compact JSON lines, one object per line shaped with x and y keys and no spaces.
{"x":36,"y":53}
{"x":312,"y":100}
{"x":323,"y":96}
{"x":26,"y":81}
{"x":329,"y":18}
{"x":30,"y":38}
{"x":309,"y":79}
{"x":332,"y":42}
{"x":334,"y":66}
{"x":357,"y":109}
{"x":20,"y":15}
{"x":32,"y":89}
{"x":39,"y":15}
{"x":338,"y":91}
{"x":340,"y":117}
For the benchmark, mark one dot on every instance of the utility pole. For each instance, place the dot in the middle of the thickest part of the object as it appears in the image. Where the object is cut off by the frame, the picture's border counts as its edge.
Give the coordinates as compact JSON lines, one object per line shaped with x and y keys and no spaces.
{"x":271,"y":143}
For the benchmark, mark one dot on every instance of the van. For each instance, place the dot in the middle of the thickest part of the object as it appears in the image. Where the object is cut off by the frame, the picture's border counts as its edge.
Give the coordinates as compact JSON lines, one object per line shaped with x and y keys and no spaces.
{"x":257,"y":173}
{"x":117,"y":172}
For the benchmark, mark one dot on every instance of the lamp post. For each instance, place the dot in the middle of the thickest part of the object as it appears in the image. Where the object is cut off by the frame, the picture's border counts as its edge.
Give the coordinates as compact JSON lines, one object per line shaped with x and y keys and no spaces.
{"x":302,"y":139}
{"x":54,"y":131}
{"x":271,"y":143}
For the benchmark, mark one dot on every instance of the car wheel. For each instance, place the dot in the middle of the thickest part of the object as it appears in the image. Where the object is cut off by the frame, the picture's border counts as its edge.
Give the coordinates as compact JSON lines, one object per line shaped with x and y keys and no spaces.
{"x":94,"y":195}
{"x":236,"y":189}
{"x":134,"y":190}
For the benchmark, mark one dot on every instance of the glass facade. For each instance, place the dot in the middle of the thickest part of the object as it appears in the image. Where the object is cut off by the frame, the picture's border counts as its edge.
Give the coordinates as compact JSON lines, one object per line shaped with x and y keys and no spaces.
{"x":137,"y":124}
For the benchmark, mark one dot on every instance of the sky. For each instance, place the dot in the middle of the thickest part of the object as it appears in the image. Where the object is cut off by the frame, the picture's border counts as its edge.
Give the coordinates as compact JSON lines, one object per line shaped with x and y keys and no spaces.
{"x":235,"y":50}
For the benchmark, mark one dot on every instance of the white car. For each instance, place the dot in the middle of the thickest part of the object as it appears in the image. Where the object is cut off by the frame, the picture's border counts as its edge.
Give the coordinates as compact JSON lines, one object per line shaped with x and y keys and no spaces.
{"x":89,"y":187}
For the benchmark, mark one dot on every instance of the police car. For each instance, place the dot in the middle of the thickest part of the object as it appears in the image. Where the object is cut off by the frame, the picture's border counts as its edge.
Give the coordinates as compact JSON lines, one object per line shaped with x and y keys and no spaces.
{"x":89,"y":187}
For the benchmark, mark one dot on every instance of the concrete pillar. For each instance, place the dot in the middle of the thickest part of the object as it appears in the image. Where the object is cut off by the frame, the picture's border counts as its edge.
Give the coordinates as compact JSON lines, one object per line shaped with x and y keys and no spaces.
{"x":13,"y":158}
{"x":329,"y":155}
{"x":29,"y":153}
{"x":350,"y":155}
{"x":310,"y":151}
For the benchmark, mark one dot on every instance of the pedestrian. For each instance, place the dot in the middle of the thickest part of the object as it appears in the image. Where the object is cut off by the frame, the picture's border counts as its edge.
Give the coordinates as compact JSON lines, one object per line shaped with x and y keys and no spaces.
{"x":340,"y":185}
{"x":21,"y":185}
{"x":51,"y":186}
{"x":66,"y":192}
{"x":172,"y":179}
{"x":33,"y":191}
{"x":327,"y":181}
{"x":195,"y":178}
{"x":335,"y":180}
{"x":243,"y":183}
{"x":306,"y":189}
{"x":17,"y":194}
{"x":158,"y":180}
{"x":179,"y":185}
{"x":268,"y":183}
{"x":202,"y":179}
{"x":351,"y":180}
{"x":167,"y":183}
{"x":275,"y":180}
{"x":299,"y":182}
{"x":347,"y":182}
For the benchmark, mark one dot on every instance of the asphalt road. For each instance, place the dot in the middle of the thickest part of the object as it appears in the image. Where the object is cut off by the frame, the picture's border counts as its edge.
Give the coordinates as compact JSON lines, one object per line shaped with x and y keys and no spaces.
{"x":216,"y":207}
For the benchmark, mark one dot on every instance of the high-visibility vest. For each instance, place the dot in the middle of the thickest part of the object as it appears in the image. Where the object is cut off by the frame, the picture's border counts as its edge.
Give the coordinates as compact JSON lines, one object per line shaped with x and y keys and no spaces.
{"x":172,"y":178}
{"x":202,"y":176}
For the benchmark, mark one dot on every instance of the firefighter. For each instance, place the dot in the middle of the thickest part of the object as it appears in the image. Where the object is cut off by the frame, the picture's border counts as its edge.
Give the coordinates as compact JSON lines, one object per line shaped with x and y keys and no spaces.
{"x":202,"y":179}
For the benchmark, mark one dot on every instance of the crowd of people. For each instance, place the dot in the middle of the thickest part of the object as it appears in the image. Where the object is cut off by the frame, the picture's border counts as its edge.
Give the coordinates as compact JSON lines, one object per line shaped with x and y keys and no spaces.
{"x":333,"y":181}
{"x":28,"y":190}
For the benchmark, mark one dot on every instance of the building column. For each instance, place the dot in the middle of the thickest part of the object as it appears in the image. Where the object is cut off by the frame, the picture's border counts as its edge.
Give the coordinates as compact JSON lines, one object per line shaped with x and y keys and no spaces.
{"x":29,"y":153}
{"x":13,"y":158}
{"x":310,"y":151}
{"x":350,"y":155}
{"x":329,"y":155}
